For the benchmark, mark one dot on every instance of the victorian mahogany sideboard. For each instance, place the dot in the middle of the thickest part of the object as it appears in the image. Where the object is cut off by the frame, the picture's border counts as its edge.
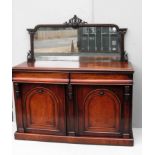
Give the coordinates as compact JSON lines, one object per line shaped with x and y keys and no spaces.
{"x":86,"y":102}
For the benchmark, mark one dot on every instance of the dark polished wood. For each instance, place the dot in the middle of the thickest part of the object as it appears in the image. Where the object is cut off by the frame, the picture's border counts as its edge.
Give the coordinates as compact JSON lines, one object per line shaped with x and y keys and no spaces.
{"x":85,"y":102}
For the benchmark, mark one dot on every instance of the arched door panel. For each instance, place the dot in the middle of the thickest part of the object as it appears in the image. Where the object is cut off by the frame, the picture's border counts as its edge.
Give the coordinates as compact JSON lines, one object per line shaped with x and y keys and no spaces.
{"x":99,"y":111}
{"x":44,"y":109}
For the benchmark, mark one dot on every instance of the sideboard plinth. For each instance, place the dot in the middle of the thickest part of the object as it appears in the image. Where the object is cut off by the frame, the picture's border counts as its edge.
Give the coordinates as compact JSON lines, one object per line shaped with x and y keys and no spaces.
{"x":76,"y":140}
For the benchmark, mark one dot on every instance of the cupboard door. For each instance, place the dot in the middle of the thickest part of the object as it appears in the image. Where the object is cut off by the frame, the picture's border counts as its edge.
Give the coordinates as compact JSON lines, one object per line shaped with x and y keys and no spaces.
{"x":44,"y":108}
{"x":98,"y":111}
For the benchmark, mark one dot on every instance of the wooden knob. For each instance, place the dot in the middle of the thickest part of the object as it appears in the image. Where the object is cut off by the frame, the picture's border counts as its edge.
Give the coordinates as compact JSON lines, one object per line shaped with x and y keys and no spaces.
{"x":101,"y":93}
{"x":40,"y":91}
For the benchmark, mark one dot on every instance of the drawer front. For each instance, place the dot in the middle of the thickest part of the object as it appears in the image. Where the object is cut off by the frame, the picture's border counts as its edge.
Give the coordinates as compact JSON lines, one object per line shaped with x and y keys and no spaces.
{"x":100,"y":78}
{"x":46,"y":77}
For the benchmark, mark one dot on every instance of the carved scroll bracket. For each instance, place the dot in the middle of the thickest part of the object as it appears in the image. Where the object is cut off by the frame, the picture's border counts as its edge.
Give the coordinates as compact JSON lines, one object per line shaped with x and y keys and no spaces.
{"x":30,"y":54}
{"x":124,"y":56}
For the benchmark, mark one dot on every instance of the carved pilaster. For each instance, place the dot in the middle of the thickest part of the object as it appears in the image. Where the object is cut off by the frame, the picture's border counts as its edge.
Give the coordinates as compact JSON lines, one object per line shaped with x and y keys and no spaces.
{"x":70,"y":91}
{"x":17,"y":90}
{"x":127,"y":94}
{"x":127,"y":111}
{"x":18,"y":106}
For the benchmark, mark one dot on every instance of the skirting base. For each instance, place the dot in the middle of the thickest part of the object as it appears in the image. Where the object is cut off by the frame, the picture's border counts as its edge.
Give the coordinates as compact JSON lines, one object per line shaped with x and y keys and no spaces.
{"x":74,"y":139}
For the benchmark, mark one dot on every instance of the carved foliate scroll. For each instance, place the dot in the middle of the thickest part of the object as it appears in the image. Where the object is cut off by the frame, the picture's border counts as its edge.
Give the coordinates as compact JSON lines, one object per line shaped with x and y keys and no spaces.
{"x":75,"y":22}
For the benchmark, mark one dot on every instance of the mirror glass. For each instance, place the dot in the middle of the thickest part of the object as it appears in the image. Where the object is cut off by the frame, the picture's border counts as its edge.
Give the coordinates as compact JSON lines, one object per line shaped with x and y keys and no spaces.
{"x":83,"y":41}
{"x":55,"y":40}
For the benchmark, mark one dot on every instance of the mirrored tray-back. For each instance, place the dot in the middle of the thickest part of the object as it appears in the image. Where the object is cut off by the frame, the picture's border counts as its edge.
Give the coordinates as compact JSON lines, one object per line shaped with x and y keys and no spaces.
{"x":77,"y":38}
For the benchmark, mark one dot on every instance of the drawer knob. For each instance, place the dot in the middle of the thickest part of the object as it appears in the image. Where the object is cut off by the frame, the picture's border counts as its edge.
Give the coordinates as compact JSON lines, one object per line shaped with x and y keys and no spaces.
{"x":101,"y":93}
{"x":40,"y":91}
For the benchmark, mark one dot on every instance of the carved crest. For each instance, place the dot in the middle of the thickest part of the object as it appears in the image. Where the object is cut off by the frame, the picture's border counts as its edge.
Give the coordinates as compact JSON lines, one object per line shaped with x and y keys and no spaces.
{"x":75,"y":21}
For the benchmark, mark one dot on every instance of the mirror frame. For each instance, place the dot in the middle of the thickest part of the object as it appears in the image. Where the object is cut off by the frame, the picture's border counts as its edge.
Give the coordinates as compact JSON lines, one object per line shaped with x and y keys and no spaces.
{"x":75,"y":23}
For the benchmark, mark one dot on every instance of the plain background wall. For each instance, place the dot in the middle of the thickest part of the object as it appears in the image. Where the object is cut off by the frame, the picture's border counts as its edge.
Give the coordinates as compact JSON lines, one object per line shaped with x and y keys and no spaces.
{"x":124,"y":13}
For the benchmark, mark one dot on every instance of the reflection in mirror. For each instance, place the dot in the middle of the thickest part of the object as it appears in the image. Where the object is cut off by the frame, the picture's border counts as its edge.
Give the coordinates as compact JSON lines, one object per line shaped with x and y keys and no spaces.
{"x":83,"y":41}
{"x":98,"y":39}
{"x":55,"y":40}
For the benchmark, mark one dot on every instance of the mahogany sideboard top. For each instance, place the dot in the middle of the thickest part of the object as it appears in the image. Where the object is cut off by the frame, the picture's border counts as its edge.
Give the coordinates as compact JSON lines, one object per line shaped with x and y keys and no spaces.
{"x":75,"y":66}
